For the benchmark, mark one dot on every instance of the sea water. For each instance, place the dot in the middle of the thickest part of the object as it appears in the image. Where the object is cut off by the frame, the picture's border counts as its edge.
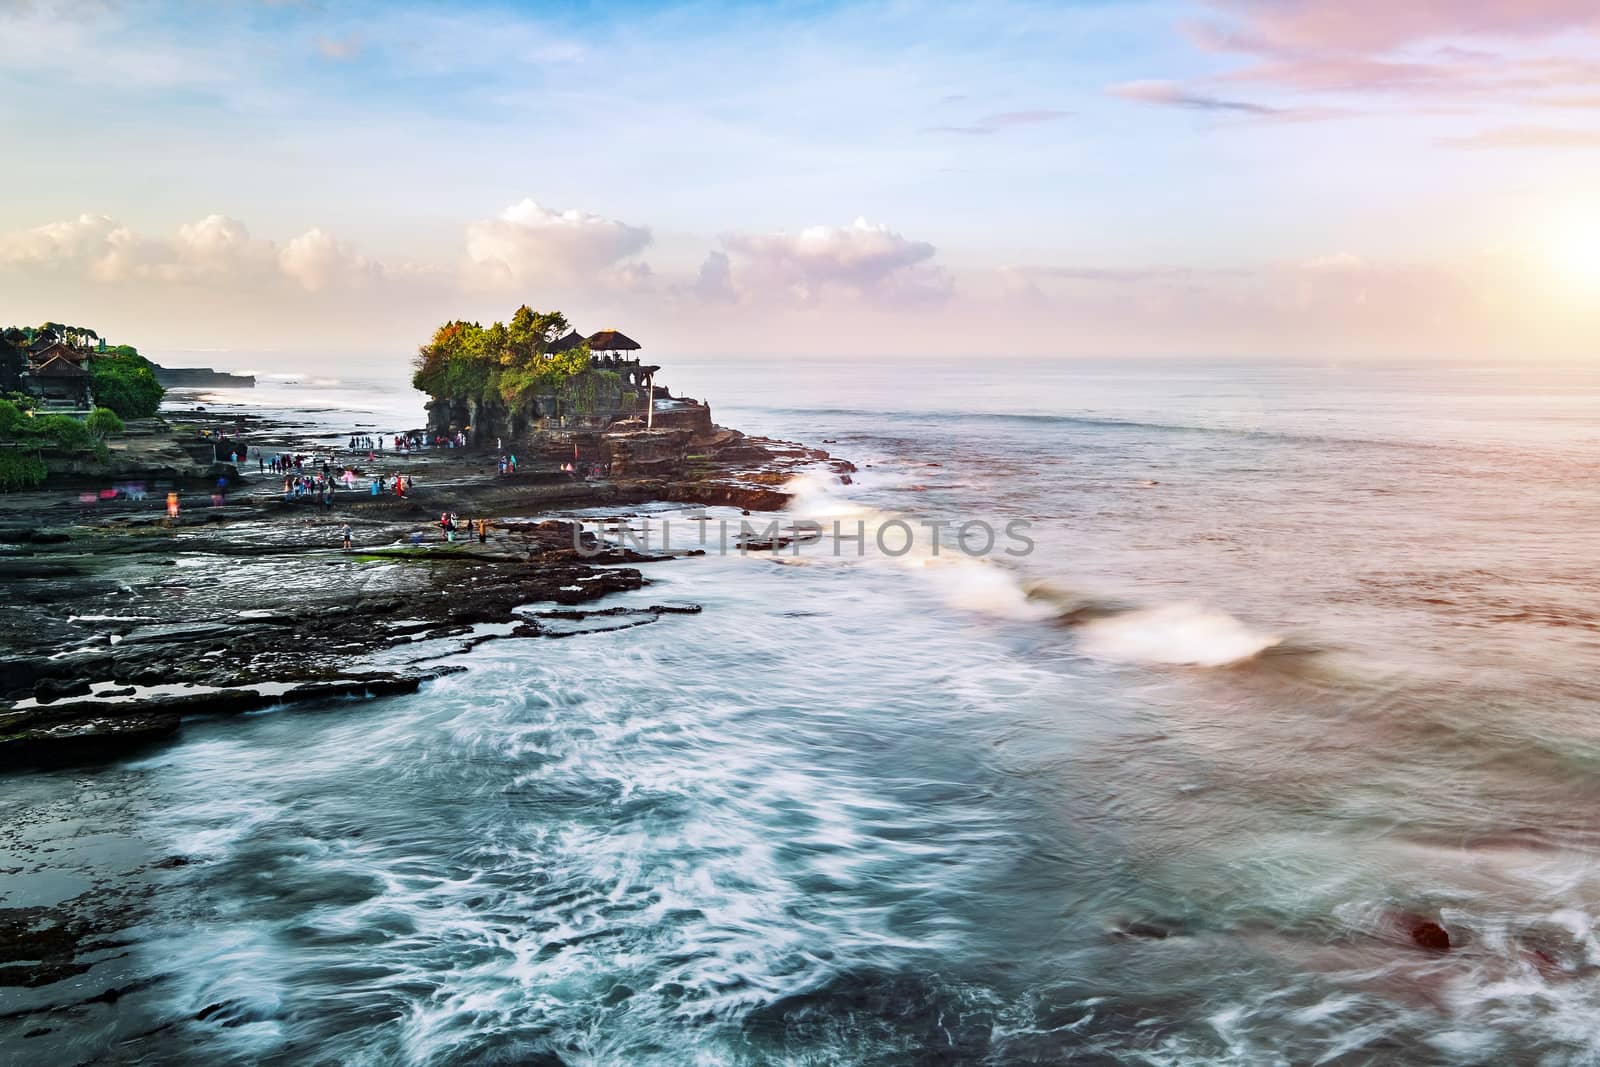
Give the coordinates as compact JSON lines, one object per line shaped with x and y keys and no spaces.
{"x":1301,"y":656}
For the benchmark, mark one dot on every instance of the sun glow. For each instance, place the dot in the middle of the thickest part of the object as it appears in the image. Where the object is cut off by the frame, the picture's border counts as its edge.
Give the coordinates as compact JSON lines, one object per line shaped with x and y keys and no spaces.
{"x":1574,"y":254}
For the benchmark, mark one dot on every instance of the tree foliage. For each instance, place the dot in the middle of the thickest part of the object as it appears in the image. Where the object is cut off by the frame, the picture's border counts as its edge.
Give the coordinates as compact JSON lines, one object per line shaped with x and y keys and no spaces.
{"x":60,"y":432}
{"x":125,"y":382}
{"x":102,"y":423}
{"x":20,"y":470}
{"x":509,"y":361}
{"x":13,"y":361}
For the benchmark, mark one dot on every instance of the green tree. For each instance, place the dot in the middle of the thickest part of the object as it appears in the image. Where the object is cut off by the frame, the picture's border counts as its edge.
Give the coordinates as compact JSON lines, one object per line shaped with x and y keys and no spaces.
{"x":509,"y":361}
{"x":13,"y":360}
{"x":13,"y":418}
{"x":127,"y":385}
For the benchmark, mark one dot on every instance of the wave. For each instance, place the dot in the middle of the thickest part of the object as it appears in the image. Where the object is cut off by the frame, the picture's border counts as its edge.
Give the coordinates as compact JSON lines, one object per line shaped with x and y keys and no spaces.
{"x":885,"y":417}
{"x":1183,"y":634}
{"x":1024,"y":418}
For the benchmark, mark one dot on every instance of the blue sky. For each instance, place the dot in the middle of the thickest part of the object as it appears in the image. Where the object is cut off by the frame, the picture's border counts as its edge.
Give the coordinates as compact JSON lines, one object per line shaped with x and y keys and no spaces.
{"x":1300,"y":177}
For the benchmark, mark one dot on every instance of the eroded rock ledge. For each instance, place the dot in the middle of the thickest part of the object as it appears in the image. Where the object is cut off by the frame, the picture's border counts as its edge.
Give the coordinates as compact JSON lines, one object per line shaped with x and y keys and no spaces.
{"x":124,"y":621}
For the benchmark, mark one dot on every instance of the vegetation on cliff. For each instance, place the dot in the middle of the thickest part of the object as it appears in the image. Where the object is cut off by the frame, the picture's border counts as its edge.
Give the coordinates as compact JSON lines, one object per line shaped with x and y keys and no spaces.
{"x":64,"y":433}
{"x":125,"y":382}
{"x":23,"y":435}
{"x":20,"y":470}
{"x":506,"y":362}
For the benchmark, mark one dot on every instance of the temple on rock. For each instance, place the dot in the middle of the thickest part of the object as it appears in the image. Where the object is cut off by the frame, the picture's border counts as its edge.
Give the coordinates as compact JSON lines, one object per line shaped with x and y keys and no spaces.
{"x":593,"y":396}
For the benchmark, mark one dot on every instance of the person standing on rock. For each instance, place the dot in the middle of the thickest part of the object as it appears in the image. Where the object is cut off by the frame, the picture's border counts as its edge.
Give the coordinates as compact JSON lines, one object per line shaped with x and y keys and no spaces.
{"x":483,"y":531}
{"x":344,"y":534}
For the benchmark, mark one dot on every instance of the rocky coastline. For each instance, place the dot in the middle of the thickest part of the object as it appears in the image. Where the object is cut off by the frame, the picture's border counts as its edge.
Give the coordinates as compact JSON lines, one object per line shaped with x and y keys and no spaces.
{"x":201,"y":378}
{"x":125,"y":621}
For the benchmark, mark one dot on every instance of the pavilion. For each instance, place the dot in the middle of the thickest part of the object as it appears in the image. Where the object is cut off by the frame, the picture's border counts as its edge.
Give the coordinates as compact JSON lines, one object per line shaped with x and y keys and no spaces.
{"x":565,"y":344}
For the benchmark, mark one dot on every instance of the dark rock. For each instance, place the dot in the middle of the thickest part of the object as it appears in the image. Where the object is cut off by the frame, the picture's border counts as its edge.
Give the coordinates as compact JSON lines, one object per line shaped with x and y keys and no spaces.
{"x":357,"y":687}
{"x":21,"y":673}
{"x":181,"y":631}
{"x":1150,"y":929}
{"x":78,"y":732}
{"x":36,"y":950}
{"x":1430,"y":935}
{"x":47,"y":690}
{"x":33,"y":537}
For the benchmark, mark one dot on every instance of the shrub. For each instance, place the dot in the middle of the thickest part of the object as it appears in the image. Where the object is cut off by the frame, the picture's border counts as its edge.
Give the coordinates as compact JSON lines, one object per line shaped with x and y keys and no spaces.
{"x":102,"y":422}
{"x":18,"y":470}
{"x":62,"y":431}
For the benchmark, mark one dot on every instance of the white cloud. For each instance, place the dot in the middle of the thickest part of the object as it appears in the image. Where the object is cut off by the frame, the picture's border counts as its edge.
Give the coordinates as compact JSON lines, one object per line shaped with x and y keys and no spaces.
{"x":215,"y":251}
{"x":528,"y":242}
{"x":339,"y":48}
{"x":57,"y":243}
{"x":862,"y":258}
{"x":714,"y":283}
{"x":315,"y":261}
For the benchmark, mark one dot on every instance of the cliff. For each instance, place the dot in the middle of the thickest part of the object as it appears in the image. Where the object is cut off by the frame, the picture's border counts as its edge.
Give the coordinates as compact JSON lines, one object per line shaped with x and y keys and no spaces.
{"x":200,"y":378}
{"x":591,"y":401}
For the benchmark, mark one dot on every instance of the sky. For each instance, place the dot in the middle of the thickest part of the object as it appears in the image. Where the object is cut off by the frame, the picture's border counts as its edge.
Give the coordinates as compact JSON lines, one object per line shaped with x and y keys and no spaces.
{"x":1296,"y":179}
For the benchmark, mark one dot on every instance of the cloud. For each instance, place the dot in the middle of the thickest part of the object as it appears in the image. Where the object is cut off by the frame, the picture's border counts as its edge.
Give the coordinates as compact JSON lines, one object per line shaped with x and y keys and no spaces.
{"x":992,"y":124}
{"x":1384,"y":25}
{"x":339,"y":48}
{"x":862,"y":259}
{"x":714,"y":283}
{"x":98,"y":248}
{"x":1117,"y":275}
{"x":215,"y":251}
{"x":316,"y":261}
{"x":57,"y":243}
{"x":528,"y":242}
{"x":1526,"y":137}
{"x":1429,"y":47}
{"x":1170,"y":94}
{"x":1581,"y":103}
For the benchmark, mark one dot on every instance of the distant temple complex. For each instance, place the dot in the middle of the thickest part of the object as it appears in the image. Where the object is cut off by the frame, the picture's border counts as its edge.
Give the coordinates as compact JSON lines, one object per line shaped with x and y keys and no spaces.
{"x":610,"y":408}
{"x":57,"y":373}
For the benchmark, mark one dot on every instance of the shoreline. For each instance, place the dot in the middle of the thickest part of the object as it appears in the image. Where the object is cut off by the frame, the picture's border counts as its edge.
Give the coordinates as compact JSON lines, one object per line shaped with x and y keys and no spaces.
{"x":127,"y":621}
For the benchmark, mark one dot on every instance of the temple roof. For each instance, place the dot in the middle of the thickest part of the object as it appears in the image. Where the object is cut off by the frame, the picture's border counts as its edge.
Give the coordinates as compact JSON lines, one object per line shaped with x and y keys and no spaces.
{"x":59,"y":367}
{"x":39,"y":348}
{"x":567,"y":343}
{"x":613,"y":341}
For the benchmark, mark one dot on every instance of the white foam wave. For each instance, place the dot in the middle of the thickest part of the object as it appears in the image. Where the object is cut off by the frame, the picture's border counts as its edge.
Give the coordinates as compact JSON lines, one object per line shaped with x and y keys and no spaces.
{"x":981,"y":586}
{"x":1182,"y":634}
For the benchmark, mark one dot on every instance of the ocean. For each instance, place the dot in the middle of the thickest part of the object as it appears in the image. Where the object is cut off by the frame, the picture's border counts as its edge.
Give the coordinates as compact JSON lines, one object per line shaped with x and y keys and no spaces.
{"x":1301,"y":657}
